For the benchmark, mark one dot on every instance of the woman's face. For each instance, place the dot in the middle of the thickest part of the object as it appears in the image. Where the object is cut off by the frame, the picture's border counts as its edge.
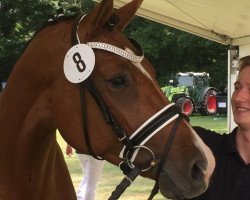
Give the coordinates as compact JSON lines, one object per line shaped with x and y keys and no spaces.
{"x":241,"y":99}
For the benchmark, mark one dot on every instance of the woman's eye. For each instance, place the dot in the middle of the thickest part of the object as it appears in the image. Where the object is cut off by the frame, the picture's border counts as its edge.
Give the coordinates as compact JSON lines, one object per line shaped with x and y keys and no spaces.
{"x":118,"y":82}
{"x":237,"y":87}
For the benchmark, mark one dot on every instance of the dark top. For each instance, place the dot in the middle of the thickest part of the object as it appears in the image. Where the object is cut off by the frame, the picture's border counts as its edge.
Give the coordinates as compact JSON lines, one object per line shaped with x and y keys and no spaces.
{"x":231,"y":177}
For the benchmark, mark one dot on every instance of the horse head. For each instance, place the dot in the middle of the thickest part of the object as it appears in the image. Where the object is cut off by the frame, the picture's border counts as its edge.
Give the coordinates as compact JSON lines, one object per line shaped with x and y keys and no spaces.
{"x":118,"y":97}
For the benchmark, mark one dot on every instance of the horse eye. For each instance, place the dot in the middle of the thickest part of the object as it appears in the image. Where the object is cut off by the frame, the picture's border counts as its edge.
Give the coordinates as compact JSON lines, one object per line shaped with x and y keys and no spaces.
{"x":118,"y":82}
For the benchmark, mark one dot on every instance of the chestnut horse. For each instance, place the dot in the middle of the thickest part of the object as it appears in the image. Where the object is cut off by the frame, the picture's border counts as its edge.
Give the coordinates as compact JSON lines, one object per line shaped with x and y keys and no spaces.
{"x":42,"y":96}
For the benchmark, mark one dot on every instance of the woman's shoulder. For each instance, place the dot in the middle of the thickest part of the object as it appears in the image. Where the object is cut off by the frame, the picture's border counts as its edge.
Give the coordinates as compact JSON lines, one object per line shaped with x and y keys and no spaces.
{"x":211,"y":138}
{"x":203,"y":132}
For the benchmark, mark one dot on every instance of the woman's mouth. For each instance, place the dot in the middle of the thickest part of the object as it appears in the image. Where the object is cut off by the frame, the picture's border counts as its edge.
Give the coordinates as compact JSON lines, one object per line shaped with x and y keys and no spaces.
{"x":242,"y":109}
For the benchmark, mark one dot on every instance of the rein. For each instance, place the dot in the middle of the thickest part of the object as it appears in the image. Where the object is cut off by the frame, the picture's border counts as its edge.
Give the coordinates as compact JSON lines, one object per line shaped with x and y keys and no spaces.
{"x":136,"y":141}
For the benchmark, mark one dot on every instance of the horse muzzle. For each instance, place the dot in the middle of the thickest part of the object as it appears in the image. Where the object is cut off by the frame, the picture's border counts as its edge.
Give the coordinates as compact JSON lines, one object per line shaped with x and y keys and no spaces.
{"x":186,"y":180}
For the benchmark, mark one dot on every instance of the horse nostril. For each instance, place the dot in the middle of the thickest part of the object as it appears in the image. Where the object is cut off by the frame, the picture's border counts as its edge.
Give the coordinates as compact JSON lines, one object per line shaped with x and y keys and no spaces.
{"x":197,"y":172}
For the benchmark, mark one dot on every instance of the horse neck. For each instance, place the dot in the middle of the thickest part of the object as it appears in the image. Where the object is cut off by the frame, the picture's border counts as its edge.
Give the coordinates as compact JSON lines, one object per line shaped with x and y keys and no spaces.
{"x":25,"y":107}
{"x":23,"y":104}
{"x":25,"y":123}
{"x":29,"y":151}
{"x":26,"y":99}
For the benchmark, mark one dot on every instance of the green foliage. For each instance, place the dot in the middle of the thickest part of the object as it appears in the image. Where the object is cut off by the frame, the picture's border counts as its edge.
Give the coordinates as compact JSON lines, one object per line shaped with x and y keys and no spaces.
{"x":168,"y":49}
{"x":19,"y":20}
{"x":171,"y":51}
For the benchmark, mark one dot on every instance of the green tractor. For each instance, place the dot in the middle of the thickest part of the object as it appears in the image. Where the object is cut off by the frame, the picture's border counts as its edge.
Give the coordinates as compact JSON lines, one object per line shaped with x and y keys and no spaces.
{"x":191,"y":91}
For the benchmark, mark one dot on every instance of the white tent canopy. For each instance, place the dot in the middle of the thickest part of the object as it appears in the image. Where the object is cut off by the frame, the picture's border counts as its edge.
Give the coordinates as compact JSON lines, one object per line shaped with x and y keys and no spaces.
{"x":224,"y":21}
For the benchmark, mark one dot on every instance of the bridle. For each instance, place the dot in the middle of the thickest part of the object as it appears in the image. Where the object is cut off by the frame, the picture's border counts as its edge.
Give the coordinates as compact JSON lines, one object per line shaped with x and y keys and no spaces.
{"x":145,"y":132}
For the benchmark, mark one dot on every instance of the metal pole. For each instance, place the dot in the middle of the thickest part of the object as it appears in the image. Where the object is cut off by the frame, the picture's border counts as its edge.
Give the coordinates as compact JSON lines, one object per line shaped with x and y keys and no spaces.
{"x":233,"y":57}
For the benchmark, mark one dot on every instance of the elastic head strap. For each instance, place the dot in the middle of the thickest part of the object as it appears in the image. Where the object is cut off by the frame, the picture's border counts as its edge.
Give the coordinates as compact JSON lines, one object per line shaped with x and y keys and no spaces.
{"x":74,"y":36}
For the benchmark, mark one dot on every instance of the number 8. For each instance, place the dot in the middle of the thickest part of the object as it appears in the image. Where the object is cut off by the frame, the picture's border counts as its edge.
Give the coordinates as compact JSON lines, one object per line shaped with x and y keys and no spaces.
{"x":79,"y":62}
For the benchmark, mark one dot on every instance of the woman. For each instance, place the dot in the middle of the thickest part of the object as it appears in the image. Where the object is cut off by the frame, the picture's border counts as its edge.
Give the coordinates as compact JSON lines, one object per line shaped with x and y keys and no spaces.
{"x":231,"y":178}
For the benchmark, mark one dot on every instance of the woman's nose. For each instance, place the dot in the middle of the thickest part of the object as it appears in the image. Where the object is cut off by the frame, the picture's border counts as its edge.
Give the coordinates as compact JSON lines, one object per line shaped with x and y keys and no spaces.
{"x":241,"y":95}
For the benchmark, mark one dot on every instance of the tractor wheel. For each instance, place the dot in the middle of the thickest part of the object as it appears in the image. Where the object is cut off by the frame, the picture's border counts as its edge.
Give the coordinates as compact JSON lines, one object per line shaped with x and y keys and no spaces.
{"x":186,"y":105}
{"x":208,"y":105}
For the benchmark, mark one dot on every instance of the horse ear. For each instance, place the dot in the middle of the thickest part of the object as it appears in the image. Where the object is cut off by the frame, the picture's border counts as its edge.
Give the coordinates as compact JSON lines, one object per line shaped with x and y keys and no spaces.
{"x":97,"y":18}
{"x":126,"y":13}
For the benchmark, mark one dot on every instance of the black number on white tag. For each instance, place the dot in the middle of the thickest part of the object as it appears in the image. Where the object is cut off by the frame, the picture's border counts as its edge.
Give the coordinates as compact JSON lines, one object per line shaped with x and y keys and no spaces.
{"x":79,"y":62}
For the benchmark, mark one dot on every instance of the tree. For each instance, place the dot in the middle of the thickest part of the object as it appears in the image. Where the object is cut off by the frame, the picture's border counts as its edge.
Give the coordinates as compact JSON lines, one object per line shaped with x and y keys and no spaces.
{"x":19,"y":20}
{"x":168,"y":49}
{"x":172,"y":50}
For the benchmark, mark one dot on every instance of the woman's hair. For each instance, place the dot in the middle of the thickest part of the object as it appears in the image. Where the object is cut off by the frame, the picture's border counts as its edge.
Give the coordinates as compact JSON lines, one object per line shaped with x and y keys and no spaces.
{"x":243,"y":62}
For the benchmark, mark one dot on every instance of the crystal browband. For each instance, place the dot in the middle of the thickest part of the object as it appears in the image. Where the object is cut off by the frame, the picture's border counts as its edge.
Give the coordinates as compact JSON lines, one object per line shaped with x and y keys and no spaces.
{"x":116,"y":50}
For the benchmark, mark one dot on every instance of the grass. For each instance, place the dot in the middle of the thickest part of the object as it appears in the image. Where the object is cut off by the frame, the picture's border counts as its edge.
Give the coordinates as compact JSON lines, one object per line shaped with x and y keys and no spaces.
{"x":112,"y":175}
{"x":215,"y":123}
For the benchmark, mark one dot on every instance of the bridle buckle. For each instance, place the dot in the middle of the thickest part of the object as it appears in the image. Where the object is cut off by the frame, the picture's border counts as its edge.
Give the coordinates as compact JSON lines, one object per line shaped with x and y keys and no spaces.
{"x":131,"y":165}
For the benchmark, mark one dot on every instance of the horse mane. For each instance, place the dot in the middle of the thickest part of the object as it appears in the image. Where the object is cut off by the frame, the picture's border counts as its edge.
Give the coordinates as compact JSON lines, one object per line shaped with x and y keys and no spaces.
{"x":53,"y":20}
{"x":50,"y":21}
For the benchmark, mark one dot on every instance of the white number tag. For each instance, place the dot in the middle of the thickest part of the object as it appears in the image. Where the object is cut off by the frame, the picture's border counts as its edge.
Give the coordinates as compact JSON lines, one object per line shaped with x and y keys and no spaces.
{"x":79,"y":63}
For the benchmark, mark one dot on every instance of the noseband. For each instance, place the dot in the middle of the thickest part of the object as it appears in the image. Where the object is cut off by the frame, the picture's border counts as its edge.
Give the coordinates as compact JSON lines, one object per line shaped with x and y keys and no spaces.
{"x":144,"y":133}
